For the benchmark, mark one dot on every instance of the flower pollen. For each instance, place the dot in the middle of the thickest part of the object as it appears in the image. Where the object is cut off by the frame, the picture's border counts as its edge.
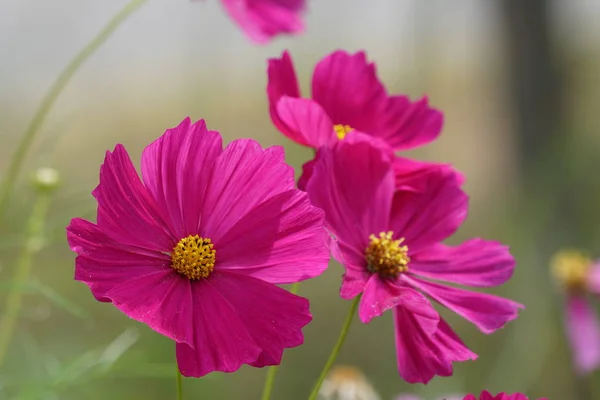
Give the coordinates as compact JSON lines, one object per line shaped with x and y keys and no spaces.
{"x":386,"y":256}
{"x":193,"y":257}
{"x":342,"y":130}
{"x":570,"y":269}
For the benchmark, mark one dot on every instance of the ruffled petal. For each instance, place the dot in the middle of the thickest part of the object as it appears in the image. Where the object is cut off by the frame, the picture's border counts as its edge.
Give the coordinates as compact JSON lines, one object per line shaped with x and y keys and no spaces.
{"x":353,"y":183}
{"x":177,"y":168}
{"x":381,"y":295}
{"x":261,"y":20}
{"x":282,"y":240}
{"x":486,"y":311}
{"x":583,"y":330}
{"x":356,"y":275}
{"x":430,"y":216}
{"x":475,"y":262}
{"x":347,"y":87}
{"x":307,"y":122}
{"x":423,"y":355}
{"x":103,"y":263}
{"x":244,"y":176}
{"x":406,"y":125}
{"x":126,"y":210}
{"x":282,"y":81}
{"x":412,"y":175}
{"x":162,"y":300}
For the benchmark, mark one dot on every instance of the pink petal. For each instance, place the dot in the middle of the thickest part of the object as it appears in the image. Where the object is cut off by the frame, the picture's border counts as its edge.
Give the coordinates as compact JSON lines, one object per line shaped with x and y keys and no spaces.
{"x":593,"y":279}
{"x":177,"y":168}
{"x":431,"y":216}
{"x":412,"y":175}
{"x":126,"y":210}
{"x":282,"y":82}
{"x":422,"y":355}
{"x":347,"y":87}
{"x":356,"y":274}
{"x":475,"y":262}
{"x":406,"y":125}
{"x":244,"y":176}
{"x":162,"y":300}
{"x":353,"y":183}
{"x":263,"y":19}
{"x":306,"y":121}
{"x":486,"y":311}
{"x":381,"y":295}
{"x":282,"y":240}
{"x":307,"y":169}
{"x":103,"y":263}
{"x":241,"y":320}
{"x":583,"y":330}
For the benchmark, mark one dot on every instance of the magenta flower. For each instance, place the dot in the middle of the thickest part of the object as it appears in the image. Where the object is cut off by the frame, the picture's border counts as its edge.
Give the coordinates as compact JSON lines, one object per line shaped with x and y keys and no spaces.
{"x":261,"y":20}
{"x":414,"y":397}
{"x":579,"y":277}
{"x":485,"y":395}
{"x":389,"y":242}
{"x":194,"y":249}
{"x":346,"y":95}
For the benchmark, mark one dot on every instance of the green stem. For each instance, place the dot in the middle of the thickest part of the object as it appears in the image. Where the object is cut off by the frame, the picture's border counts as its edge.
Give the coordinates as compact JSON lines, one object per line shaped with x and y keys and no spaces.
{"x":336,"y":349}
{"x":270,"y":380}
{"x":35,"y":230}
{"x":49,"y":99}
{"x":179,"y":383}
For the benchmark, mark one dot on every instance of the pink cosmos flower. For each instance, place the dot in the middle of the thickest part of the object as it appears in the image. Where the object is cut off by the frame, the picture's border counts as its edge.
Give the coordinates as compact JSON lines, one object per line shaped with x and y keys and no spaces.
{"x":346,"y":95}
{"x":414,"y":397}
{"x":194,"y":248}
{"x":579,"y":276}
{"x":263,"y":19}
{"x":485,"y":395}
{"x":389,"y":240}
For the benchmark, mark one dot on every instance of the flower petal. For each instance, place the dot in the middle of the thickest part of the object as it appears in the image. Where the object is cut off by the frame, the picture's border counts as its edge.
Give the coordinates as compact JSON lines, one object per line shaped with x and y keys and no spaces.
{"x":162,"y":300}
{"x":583,"y":330}
{"x":381,"y":295}
{"x":282,"y":240}
{"x":486,"y":311}
{"x":281,"y":82}
{"x":263,"y":19}
{"x":244,"y":176}
{"x":412,"y":175}
{"x":593,"y":279}
{"x":430,"y":216}
{"x":177,"y":168}
{"x":126,"y":210}
{"x":307,"y":122}
{"x":422,"y":355}
{"x":475,"y":262}
{"x":356,"y":274}
{"x":103,"y":263}
{"x":347,"y":87}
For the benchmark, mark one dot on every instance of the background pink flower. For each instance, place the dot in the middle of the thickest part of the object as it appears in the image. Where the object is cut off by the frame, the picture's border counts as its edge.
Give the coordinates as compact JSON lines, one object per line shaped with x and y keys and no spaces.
{"x":195,"y":249}
{"x":389,"y":241}
{"x":261,"y":20}
{"x":346,"y":95}
{"x":485,"y":395}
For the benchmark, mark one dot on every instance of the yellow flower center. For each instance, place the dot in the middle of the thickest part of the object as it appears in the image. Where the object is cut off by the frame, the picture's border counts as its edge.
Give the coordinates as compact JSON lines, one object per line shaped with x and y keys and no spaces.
{"x":342,"y":130}
{"x":570,"y":269}
{"x":193,"y":257}
{"x":386,"y":256}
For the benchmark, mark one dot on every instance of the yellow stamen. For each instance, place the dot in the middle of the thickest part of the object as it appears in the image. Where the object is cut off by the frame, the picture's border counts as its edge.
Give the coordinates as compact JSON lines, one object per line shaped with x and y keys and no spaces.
{"x":570,"y":269}
{"x":193,"y":257}
{"x":386,"y":256}
{"x":342,"y":130}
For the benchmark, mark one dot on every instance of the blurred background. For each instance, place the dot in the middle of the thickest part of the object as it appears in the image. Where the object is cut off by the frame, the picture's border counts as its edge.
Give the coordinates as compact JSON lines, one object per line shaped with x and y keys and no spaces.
{"x":518,"y":83}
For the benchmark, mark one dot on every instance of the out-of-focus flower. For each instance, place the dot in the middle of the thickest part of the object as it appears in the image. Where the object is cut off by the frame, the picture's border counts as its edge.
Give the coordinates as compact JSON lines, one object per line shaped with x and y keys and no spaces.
{"x":389,"y":240}
{"x":579,"y":277}
{"x":485,"y":395}
{"x":347,"y":383}
{"x":194,"y":250}
{"x":346,"y":96}
{"x":261,"y":20}
{"x":414,"y":397}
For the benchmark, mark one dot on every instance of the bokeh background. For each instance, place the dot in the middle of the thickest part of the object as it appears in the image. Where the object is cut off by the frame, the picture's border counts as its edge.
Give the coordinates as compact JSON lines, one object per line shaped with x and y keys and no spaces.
{"x":519,"y":85}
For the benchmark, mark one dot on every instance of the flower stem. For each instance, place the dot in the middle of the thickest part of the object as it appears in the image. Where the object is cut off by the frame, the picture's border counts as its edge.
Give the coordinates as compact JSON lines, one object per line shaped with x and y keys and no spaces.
{"x":49,"y":99}
{"x":336,"y":349}
{"x":33,"y":245}
{"x":272,"y":372}
{"x":179,"y":383}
